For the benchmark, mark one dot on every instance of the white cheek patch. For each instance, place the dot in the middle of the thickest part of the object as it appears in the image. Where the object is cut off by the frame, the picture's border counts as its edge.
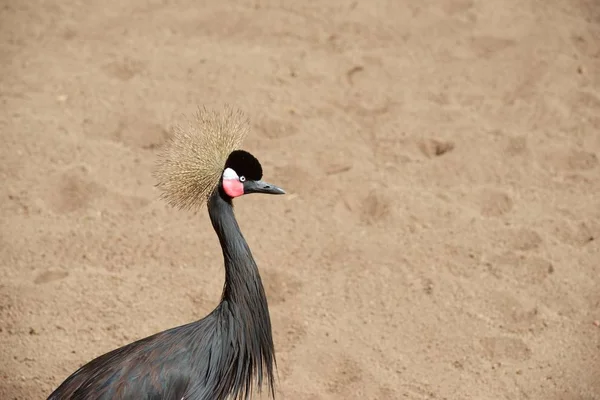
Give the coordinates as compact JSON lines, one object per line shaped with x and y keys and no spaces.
{"x":230,"y":174}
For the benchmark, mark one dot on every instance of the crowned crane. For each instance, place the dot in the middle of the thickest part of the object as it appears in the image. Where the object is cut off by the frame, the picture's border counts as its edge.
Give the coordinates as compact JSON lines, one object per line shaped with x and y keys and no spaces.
{"x":229,"y":353}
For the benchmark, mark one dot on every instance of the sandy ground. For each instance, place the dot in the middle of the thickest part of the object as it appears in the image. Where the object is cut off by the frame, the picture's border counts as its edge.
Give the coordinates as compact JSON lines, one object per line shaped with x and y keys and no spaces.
{"x":441,"y":236}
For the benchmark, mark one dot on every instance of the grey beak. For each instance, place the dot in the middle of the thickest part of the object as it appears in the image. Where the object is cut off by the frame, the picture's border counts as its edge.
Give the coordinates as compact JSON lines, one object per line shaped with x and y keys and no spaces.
{"x":261,"y":187}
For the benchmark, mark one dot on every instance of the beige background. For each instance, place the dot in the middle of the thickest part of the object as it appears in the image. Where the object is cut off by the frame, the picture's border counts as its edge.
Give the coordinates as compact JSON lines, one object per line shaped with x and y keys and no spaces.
{"x":441,"y":235}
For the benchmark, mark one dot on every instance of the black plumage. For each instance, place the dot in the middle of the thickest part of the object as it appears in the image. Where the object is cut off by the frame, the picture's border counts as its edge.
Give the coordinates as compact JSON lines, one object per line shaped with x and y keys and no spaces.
{"x":227,"y":354}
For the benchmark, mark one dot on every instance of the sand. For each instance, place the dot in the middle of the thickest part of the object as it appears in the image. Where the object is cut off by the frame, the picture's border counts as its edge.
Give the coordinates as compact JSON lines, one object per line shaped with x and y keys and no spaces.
{"x":440,"y":238}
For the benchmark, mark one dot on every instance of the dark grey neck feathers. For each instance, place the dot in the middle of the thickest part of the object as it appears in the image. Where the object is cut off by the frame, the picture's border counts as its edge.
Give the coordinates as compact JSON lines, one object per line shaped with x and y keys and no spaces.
{"x":222,"y":356}
{"x":243,"y":312}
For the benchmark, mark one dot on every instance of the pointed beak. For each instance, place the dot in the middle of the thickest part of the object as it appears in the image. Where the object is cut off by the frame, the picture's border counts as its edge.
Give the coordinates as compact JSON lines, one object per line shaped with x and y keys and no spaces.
{"x":261,"y":187}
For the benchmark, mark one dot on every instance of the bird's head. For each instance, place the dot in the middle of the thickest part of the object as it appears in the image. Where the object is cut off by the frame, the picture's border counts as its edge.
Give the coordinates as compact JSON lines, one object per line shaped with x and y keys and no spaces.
{"x":242,"y":175}
{"x":204,"y":155}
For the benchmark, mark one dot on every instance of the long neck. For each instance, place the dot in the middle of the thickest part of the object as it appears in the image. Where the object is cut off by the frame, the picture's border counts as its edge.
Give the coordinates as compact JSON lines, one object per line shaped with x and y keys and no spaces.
{"x":244,"y":295}
{"x":242,"y":280}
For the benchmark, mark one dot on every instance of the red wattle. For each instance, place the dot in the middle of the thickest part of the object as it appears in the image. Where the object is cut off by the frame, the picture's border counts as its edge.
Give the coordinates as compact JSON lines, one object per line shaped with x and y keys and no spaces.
{"x":233,"y":187}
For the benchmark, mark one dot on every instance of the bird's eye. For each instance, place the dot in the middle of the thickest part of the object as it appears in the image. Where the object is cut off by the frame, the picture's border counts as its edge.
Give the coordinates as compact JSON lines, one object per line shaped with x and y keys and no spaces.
{"x":242,"y":179}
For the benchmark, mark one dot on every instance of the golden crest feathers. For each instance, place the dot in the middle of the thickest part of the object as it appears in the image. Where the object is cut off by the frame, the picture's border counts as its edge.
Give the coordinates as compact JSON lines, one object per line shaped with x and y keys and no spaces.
{"x":190,"y":164}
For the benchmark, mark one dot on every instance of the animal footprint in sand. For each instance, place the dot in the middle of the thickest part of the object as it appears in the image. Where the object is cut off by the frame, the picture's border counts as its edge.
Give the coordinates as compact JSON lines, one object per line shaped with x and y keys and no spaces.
{"x":49,"y":276}
{"x":347,"y":376}
{"x":387,"y":393}
{"x":520,"y":268}
{"x":272,"y":128}
{"x":501,"y":348}
{"x":488,"y":46}
{"x":525,"y":240}
{"x":124,"y":70}
{"x":580,"y":160}
{"x":294,"y":333}
{"x":495,"y":203}
{"x":135,"y":131}
{"x":513,"y":314}
{"x":574,"y":233}
{"x":435,"y":148}
{"x":417,"y":391}
{"x":374,"y":208}
{"x":454,"y":7}
{"x":573,"y":160}
{"x":140,"y":133}
{"x":280,"y":287}
{"x":516,"y":146}
{"x":72,"y":190}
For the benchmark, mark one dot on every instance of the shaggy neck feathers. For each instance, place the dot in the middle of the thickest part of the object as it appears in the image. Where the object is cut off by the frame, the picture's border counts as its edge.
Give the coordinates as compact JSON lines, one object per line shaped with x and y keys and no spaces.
{"x":243,"y":298}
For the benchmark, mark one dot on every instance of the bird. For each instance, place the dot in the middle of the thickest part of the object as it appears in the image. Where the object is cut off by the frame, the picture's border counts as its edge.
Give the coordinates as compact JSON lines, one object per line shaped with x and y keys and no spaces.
{"x":229,"y":353}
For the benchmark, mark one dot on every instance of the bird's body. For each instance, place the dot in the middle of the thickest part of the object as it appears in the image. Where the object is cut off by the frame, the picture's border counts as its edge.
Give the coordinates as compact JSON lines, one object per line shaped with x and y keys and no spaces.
{"x":224,"y":355}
